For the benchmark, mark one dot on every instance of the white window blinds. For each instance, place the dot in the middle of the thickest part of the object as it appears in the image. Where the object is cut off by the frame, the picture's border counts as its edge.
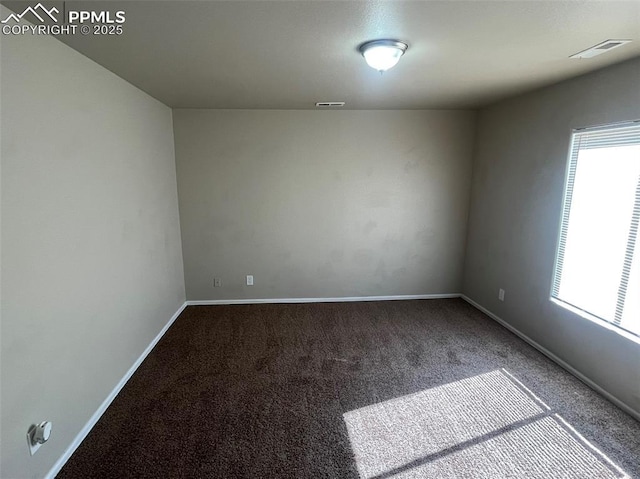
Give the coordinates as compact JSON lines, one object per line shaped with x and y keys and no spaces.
{"x":598,"y":260}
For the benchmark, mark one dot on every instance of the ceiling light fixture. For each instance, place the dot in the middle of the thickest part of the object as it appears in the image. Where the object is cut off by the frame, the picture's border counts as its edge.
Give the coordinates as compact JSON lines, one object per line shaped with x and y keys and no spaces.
{"x":382,"y":54}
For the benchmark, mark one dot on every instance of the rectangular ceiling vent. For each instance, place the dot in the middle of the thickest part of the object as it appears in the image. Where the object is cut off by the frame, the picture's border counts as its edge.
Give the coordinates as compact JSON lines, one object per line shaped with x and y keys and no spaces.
{"x":603,"y":47}
{"x":324,"y":104}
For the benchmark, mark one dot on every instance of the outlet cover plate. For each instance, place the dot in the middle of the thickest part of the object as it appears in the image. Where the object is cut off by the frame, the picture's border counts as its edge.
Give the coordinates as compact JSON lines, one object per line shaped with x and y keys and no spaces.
{"x":32,"y":447}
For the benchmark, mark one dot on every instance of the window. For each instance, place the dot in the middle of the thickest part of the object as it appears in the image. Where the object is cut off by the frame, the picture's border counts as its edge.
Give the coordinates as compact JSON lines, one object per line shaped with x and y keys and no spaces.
{"x":597,"y":269}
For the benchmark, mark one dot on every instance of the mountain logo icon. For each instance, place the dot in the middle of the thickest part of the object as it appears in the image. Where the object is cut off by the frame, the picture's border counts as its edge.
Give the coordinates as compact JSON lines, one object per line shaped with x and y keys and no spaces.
{"x":16,"y":17}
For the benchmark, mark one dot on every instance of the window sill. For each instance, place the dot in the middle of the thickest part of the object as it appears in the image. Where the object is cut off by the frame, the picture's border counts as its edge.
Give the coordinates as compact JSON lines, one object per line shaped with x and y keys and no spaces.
{"x":594,"y":319}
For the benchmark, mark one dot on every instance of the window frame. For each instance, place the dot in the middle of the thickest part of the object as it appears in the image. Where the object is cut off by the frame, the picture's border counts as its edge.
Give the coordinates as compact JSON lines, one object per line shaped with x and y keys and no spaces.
{"x":569,"y":176}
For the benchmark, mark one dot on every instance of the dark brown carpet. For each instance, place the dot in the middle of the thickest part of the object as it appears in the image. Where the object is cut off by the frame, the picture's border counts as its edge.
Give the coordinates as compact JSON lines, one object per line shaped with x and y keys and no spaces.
{"x":428,"y":388}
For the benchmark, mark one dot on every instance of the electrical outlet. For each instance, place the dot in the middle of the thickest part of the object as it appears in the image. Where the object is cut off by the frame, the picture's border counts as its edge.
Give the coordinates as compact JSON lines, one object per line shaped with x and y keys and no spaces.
{"x":217,"y":282}
{"x":37,"y":435}
{"x":33,"y":446}
{"x":249,"y":280}
{"x":501,"y":294}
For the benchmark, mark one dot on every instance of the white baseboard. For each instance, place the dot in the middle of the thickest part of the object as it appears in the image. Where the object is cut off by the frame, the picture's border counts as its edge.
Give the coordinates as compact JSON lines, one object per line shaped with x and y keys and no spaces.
{"x":346,"y":299}
{"x":622,"y":405}
{"x":105,"y":404}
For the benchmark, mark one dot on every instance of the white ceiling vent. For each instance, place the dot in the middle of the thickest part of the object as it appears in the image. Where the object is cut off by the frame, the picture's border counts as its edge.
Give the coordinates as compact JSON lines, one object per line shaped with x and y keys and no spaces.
{"x":325,"y":104}
{"x":603,"y":47}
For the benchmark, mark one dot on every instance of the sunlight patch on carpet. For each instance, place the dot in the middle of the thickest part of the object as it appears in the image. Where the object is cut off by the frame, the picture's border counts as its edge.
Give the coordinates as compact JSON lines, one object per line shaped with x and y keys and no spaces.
{"x":488,"y":425}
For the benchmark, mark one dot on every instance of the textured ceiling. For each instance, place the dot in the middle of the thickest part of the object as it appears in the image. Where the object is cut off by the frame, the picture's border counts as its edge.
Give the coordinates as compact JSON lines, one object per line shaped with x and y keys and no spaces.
{"x":290,"y":54}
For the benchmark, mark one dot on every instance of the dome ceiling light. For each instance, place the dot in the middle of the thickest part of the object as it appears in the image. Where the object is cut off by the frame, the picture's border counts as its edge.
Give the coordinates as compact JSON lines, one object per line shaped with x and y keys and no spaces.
{"x":382,"y":54}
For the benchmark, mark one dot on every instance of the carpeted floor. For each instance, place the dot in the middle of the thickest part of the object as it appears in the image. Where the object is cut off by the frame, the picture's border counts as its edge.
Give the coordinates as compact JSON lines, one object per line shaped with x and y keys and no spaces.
{"x":401,"y":389}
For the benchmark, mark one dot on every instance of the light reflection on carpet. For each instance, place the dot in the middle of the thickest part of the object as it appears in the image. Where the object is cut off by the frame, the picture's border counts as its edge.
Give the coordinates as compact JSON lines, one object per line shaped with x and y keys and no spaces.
{"x":488,"y":426}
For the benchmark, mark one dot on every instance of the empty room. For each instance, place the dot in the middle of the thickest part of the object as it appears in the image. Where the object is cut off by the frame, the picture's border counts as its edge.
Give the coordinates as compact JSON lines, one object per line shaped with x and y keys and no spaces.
{"x":320,"y":239}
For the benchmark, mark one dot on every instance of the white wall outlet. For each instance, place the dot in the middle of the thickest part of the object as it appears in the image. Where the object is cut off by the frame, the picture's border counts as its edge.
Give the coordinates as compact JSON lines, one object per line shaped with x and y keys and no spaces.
{"x":37,"y":435}
{"x":249,"y":280}
{"x":501,"y":294}
{"x":217,"y":282}
{"x":33,"y":447}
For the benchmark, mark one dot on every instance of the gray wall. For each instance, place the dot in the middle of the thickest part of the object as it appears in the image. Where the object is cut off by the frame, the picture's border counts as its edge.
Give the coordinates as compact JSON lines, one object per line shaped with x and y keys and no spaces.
{"x":91,"y":256}
{"x":518,"y":183}
{"x":323,"y":203}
